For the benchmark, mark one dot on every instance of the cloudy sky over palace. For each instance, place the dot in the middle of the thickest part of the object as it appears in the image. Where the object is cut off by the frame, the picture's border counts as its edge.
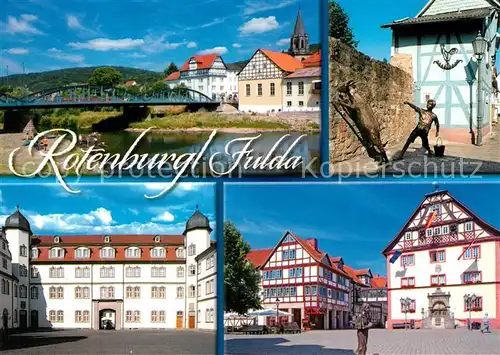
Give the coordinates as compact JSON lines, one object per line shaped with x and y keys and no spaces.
{"x":107,"y":209}
{"x":53,"y":34}
{"x":353,"y":221}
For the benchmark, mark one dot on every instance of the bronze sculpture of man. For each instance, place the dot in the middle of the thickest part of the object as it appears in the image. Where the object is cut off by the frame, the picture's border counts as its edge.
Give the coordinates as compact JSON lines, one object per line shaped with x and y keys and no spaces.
{"x":364,"y":118}
{"x":363,"y":323}
{"x":425,"y":119}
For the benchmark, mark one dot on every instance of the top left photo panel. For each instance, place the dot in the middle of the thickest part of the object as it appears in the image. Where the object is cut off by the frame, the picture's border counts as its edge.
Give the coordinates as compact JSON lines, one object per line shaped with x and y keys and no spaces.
{"x":126,"y":88}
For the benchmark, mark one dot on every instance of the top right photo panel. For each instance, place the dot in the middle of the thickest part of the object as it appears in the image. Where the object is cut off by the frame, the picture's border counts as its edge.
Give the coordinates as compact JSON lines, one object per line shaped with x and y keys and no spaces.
{"x":414,"y":87}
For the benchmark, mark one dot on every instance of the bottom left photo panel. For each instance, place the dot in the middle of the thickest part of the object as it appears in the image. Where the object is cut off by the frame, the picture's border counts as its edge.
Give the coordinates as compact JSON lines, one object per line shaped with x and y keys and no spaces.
{"x":108,"y":270}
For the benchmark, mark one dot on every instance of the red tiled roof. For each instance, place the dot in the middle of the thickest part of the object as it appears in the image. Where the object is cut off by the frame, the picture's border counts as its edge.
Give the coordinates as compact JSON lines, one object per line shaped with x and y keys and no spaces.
{"x":378,"y":282}
{"x":284,"y":61}
{"x":313,"y":61}
{"x":362,"y":272}
{"x":352,"y":274}
{"x":173,"y":76}
{"x":203,"y":61}
{"x":258,"y":257}
{"x":130,"y":83}
{"x":310,"y":72}
{"x":114,"y":239}
{"x":335,"y":259}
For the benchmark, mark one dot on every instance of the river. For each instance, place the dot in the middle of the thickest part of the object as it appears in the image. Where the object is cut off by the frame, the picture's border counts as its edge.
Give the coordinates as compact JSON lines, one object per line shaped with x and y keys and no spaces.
{"x":179,"y":143}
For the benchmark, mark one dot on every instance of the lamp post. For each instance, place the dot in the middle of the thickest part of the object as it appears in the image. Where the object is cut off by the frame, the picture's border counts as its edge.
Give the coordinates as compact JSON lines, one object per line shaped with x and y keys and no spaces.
{"x":277,"y":313}
{"x":479,"y":45}
{"x":422,"y":311}
{"x":469,"y":299}
{"x":405,"y":303}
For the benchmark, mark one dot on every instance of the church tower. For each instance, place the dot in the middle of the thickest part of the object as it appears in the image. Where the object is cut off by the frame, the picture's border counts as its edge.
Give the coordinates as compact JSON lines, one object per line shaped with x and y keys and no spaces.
{"x":299,"y":42}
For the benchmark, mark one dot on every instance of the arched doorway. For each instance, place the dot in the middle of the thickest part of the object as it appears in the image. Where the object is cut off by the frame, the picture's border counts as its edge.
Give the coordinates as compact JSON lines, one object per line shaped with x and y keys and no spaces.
{"x":107,"y":319}
{"x":5,"y":318}
{"x":34,"y":318}
{"x":179,"y":319}
{"x":23,"y":319}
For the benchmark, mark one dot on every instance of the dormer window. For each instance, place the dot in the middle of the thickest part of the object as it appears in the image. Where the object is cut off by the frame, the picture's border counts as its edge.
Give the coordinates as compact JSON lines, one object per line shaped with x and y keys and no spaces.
{"x":34,"y":253}
{"x":179,"y":253}
{"x":157,"y":239}
{"x":107,"y":239}
{"x":133,"y":252}
{"x":158,"y":252}
{"x":408,"y":236}
{"x":341,"y":265}
{"x":82,"y":253}
{"x":192,"y":250}
{"x":468,"y":227}
{"x":57,"y":240}
{"x":56,"y":253}
{"x":107,"y":253}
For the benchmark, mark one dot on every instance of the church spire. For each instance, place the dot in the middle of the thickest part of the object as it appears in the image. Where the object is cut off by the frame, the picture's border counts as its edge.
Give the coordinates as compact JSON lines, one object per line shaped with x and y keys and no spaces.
{"x":299,"y":29}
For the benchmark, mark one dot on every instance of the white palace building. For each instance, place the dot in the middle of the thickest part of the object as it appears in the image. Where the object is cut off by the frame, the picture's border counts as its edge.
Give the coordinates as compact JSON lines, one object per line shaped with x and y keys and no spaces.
{"x":443,"y":267}
{"x":127,"y":281}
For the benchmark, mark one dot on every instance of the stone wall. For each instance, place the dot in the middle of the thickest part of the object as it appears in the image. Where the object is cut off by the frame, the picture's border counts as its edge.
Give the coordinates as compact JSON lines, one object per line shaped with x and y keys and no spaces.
{"x":385,"y":86}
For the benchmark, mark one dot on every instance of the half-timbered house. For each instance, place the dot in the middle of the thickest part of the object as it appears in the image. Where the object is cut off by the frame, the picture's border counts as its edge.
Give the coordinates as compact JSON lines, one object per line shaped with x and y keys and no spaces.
{"x":444,"y":68}
{"x":260,"y":81}
{"x":442,"y":255}
{"x":304,"y":282}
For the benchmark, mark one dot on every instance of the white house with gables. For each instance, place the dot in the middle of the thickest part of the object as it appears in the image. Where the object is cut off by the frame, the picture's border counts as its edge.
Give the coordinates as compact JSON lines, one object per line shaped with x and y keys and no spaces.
{"x":443,"y":253}
{"x":439,"y":42}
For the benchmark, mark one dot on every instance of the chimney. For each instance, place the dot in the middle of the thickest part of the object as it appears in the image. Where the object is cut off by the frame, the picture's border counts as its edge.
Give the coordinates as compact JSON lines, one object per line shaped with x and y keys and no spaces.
{"x":313,"y":242}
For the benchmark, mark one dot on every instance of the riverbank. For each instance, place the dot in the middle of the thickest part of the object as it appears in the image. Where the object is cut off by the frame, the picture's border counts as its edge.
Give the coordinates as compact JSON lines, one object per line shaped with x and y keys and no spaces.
{"x":200,"y":122}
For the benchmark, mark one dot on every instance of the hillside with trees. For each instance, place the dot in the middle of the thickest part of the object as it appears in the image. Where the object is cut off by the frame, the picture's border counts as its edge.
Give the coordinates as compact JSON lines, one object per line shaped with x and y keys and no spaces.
{"x":56,"y":78}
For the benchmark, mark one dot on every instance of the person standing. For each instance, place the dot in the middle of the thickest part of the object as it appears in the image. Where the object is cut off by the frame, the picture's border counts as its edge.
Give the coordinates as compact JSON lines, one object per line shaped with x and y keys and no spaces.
{"x":425,"y":120}
{"x":363,"y":323}
{"x":486,"y":324}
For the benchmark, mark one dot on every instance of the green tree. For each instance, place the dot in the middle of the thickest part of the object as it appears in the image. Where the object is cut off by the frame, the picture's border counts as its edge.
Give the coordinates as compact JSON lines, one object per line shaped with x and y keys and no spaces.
{"x":241,"y":279}
{"x":158,"y":86}
{"x":105,"y":76}
{"x":16,"y":92}
{"x":339,"y":24}
{"x":170,"y":69}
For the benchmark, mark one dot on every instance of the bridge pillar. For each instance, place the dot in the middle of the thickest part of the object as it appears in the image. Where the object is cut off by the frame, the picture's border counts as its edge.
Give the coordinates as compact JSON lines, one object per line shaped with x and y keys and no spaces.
{"x":14,"y":121}
{"x":137,"y":113}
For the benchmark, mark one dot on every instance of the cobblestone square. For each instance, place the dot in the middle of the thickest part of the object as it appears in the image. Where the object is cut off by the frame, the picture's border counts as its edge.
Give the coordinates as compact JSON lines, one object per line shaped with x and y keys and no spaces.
{"x":129,"y":342}
{"x":380,"y":341}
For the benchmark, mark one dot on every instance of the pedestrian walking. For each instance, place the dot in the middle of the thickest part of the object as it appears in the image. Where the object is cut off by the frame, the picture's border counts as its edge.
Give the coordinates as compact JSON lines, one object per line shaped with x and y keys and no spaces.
{"x":362,"y":324}
{"x":486,"y":324}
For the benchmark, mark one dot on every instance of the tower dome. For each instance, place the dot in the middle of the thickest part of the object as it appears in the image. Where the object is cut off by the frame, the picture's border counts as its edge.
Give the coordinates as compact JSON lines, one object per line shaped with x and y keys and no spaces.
{"x":17,"y":221}
{"x":197,"y":221}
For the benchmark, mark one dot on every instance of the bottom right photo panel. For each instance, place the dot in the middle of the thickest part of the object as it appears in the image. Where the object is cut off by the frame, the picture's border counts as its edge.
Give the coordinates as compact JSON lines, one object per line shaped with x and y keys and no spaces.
{"x":329,"y":268}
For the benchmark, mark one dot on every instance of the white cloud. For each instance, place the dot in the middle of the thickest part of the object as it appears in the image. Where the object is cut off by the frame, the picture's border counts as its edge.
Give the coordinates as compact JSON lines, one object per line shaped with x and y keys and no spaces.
{"x":236,"y":45}
{"x":66,"y":222}
{"x":22,"y":25}
{"x":283,"y":42}
{"x":218,"y":50}
{"x":17,"y":51}
{"x":106,"y":44}
{"x":60,"y":55}
{"x":137,"y":55}
{"x":160,"y":44}
{"x":164,"y":217}
{"x":259,"y":25}
{"x":255,"y":6}
{"x":74,"y":23}
{"x":191,"y":45}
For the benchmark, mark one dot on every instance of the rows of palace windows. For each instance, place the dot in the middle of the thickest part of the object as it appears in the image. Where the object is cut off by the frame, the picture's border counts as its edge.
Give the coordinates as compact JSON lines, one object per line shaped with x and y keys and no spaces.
{"x":108,"y":252}
{"x":107,"y":271}
{"x":280,"y":291}
{"x":130,"y":316}
{"x":6,"y":287}
{"x":436,"y":256}
{"x":476,"y":305}
{"x":157,"y":292}
{"x":467,"y":277}
{"x":291,"y":291}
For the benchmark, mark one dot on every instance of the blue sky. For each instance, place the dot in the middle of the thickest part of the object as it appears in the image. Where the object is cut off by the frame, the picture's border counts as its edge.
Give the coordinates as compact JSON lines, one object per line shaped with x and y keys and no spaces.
{"x":367,"y":17}
{"x":53,"y":34}
{"x":350,"y":220}
{"x":107,"y":209}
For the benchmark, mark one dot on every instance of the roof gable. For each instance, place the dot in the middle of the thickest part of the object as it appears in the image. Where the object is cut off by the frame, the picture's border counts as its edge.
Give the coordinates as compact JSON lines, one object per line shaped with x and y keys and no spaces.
{"x":448,"y":210}
{"x":436,"y":7}
{"x":283,"y":61}
{"x":202,"y":61}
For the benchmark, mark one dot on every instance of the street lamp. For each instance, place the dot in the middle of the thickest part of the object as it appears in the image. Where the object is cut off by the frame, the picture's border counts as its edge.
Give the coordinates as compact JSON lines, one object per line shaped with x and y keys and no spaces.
{"x":469,"y":300}
{"x":405,"y":303}
{"x":277,"y":312}
{"x":422,"y":310}
{"x":479,"y":45}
